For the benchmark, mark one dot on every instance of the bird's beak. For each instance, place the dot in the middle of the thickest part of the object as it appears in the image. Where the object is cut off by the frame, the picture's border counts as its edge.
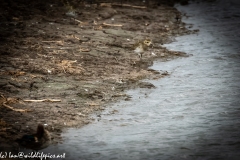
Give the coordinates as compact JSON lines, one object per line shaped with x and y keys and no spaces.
{"x":151,"y":45}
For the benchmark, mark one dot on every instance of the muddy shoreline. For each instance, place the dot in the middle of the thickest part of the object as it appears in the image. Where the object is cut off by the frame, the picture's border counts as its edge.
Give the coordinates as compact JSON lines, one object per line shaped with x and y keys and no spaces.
{"x":70,"y":66}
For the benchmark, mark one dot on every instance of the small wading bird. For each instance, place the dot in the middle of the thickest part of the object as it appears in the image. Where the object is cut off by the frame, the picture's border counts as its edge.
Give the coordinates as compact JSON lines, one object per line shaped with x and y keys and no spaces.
{"x":141,"y":46}
{"x":37,"y":141}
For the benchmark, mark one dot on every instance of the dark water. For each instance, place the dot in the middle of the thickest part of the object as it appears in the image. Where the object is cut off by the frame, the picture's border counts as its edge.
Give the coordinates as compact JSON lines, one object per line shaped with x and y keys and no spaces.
{"x":192,"y":114}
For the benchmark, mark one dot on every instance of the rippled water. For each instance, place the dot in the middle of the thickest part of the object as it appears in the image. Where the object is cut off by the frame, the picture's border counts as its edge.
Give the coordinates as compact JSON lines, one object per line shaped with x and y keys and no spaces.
{"x":192,"y":114}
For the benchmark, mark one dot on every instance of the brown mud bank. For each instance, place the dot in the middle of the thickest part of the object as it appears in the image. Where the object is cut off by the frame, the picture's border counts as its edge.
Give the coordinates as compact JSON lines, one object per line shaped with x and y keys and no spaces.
{"x":61,"y":61}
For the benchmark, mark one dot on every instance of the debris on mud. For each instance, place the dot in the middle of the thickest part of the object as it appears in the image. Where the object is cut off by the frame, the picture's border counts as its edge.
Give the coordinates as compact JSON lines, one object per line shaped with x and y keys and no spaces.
{"x":63,"y":60}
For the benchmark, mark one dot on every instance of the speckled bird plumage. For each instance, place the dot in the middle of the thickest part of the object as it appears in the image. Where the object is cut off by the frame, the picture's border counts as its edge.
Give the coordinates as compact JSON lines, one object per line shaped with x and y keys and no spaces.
{"x":142,"y":46}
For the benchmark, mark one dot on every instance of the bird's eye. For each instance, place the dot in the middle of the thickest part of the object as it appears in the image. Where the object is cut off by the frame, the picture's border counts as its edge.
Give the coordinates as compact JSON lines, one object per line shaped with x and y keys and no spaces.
{"x":147,"y":42}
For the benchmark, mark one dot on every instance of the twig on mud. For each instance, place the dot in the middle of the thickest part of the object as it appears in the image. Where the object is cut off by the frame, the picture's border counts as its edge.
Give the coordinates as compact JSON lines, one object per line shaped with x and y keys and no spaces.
{"x":78,"y":21}
{"x":113,"y":25}
{"x":35,"y":76}
{"x":12,"y":100}
{"x":128,"y":5}
{"x":42,"y":100}
{"x":64,"y":69}
{"x":105,"y":5}
{"x":82,"y":115}
{"x":84,"y":50}
{"x":92,"y":104}
{"x":95,"y":22}
{"x":104,"y":47}
{"x":17,"y":110}
{"x":13,"y":73}
{"x":51,"y":41}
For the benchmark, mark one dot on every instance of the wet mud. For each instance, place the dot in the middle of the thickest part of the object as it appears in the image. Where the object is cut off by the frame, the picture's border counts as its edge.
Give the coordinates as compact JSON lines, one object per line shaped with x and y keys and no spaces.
{"x":62,"y":61}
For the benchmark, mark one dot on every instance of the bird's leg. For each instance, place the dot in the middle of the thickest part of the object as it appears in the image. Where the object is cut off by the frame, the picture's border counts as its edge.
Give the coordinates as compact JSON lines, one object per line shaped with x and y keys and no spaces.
{"x":140,"y":55}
